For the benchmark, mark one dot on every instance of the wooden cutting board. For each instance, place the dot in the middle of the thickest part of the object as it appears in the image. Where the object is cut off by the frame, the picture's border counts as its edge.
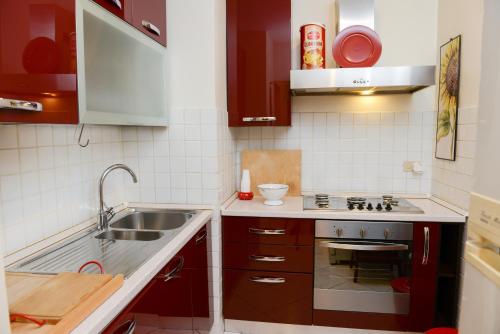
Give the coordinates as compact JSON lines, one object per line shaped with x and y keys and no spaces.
{"x":274,"y":166}
{"x":19,"y":285}
{"x":57,"y":296}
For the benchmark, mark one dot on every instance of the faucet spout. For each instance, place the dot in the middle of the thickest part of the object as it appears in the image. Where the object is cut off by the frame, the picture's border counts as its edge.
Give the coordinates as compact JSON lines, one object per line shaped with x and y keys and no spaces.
{"x":106,"y":214}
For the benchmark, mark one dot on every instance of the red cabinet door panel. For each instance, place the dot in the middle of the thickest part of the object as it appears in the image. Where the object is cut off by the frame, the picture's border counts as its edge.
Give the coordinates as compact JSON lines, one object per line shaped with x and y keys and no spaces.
{"x":259,"y":62}
{"x":426,"y":239}
{"x":268,"y":257}
{"x":38,"y":60}
{"x":150,"y":17}
{"x":120,"y":8}
{"x":285,"y":298}
{"x":274,"y":231}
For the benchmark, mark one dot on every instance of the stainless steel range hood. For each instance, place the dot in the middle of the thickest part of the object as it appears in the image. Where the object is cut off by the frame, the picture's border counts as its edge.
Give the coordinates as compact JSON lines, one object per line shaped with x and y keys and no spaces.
{"x":362,"y":80}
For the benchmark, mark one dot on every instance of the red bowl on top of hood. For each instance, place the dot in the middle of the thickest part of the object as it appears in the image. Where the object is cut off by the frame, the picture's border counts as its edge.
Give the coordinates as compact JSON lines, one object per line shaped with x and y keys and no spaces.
{"x":357,"y":46}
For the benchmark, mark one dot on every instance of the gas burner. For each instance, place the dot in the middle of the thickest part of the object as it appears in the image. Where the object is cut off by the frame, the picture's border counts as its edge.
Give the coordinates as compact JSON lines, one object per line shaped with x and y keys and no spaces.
{"x":322,"y":200}
{"x":389,"y":199}
{"x":356,"y":200}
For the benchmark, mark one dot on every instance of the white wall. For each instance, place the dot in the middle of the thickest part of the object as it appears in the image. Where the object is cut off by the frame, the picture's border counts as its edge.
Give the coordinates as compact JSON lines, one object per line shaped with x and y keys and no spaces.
{"x":452,"y":180}
{"x":407,"y":29}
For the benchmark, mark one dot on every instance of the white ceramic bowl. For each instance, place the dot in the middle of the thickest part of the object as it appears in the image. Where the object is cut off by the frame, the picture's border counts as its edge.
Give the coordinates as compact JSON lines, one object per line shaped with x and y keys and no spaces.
{"x":273,"y":193}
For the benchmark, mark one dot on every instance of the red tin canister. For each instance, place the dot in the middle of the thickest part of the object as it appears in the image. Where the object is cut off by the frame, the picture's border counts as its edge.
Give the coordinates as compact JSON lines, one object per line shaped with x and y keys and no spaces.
{"x":312,"y":41}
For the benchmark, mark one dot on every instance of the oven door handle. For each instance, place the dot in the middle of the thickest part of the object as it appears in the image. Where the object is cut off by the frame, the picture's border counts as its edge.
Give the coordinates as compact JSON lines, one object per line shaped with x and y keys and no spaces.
{"x":374,"y":246}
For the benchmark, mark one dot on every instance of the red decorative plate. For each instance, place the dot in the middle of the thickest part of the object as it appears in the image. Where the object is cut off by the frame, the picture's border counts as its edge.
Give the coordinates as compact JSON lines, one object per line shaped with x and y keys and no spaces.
{"x":357,"y":46}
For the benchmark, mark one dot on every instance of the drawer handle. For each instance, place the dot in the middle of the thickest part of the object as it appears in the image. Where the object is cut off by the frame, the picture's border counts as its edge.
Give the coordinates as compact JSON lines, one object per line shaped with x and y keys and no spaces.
{"x":128,"y":327}
{"x":151,"y":27}
{"x":259,"y":119}
{"x":20,"y":105}
{"x":117,"y":3}
{"x":201,"y":237}
{"x":268,"y":280}
{"x":174,"y":272}
{"x":265,"y":232}
{"x":267,"y":258}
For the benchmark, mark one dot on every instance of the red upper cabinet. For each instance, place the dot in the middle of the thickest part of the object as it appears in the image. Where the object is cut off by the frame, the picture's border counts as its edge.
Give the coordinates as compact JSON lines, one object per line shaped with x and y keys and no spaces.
{"x":259,"y":62}
{"x":120,"y":8}
{"x":38,"y":61}
{"x":149,"y":16}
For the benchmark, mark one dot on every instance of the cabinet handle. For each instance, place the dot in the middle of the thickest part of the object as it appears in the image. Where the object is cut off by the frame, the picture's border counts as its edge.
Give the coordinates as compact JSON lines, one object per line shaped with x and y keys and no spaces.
{"x":174,"y":272}
{"x":268,"y":280}
{"x":20,"y":105}
{"x":259,"y":119}
{"x":151,"y":27}
{"x":267,"y":258}
{"x":199,"y":239}
{"x":265,"y":232}
{"x":425,"y":257}
{"x":117,"y":3}
{"x":128,"y":327}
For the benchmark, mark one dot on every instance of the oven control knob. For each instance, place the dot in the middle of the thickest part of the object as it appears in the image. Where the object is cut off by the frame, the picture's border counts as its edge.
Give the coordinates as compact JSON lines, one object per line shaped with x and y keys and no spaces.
{"x":361,"y":206}
{"x":388,"y":207}
{"x":369,"y":207}
{"x":350,"y":206}
{"x":362,"y":232}
{"x":387,"y":233}
{"x":340,"y":232}
{"x":379,"y":207}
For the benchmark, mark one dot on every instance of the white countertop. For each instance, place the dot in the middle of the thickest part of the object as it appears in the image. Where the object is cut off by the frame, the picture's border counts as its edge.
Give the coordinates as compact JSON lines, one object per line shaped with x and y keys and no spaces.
{"x":293,"y":208}
{"x":107,"y":311}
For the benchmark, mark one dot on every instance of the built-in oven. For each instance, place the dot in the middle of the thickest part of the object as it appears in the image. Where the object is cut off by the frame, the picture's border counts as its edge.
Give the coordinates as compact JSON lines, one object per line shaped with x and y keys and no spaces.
{"x":363,"y":266}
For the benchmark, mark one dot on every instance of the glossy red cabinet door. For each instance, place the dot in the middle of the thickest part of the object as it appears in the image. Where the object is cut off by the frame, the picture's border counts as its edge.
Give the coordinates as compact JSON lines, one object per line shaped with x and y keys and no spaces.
{"x":128,"y":318}
{"x":259,"y":62}
{"x":297,"y":259}
{"x":271,"y":231}
{"x":120,"y":8}
{"x":426,"y":245}
{"x":268,"y":296}
{"x":38,"y":61}
{"x":150,"y":17}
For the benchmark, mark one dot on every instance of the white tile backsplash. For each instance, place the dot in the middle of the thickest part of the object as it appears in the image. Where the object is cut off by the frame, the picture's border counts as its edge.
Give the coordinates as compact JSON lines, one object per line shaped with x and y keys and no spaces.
{"x":452,"y":180}
{"x":48,"y":183}
{"x":352,"y":151}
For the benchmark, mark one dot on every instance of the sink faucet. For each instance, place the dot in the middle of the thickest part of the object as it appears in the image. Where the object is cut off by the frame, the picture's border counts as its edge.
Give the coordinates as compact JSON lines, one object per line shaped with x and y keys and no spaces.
{"x":105,"y":213}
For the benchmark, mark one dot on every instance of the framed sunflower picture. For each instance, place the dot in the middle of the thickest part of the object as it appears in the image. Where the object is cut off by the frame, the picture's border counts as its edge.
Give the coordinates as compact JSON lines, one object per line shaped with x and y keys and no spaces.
{"x":449,"y":84}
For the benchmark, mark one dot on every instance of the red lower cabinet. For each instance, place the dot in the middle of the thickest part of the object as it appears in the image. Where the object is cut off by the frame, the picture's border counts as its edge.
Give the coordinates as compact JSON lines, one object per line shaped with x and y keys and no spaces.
{"x":176,"y":299}
{"x":268,"y":296}
{"x":268,"y":264}
{"x":426,"y":252}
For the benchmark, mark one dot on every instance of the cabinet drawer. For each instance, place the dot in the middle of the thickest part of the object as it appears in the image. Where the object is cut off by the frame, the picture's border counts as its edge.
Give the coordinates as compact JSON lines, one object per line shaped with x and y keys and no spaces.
{"x":268,"y":296}
{"x":273,"y":231}
{"x":268,"y":257}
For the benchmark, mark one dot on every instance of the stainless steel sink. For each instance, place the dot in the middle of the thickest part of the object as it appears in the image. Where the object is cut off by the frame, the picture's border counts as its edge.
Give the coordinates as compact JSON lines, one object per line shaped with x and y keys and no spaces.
{"x":130,"y":235}
{"x":159,"y":220}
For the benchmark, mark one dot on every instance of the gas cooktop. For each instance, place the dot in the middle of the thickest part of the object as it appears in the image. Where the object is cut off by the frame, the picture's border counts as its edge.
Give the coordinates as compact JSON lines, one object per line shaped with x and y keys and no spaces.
{"x":386,"y":204}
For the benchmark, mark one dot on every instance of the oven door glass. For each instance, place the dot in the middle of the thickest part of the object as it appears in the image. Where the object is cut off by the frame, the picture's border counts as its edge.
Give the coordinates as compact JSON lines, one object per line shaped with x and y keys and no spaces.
{"x":362,"y":275}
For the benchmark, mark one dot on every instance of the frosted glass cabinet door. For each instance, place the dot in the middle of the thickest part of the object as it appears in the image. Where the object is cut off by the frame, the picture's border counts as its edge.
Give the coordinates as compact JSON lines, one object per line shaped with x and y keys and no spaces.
{"x":122,"y":76}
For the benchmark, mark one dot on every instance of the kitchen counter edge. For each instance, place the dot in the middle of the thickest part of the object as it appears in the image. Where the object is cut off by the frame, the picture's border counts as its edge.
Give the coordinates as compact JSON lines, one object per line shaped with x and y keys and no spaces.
{"x":435,"y":210}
